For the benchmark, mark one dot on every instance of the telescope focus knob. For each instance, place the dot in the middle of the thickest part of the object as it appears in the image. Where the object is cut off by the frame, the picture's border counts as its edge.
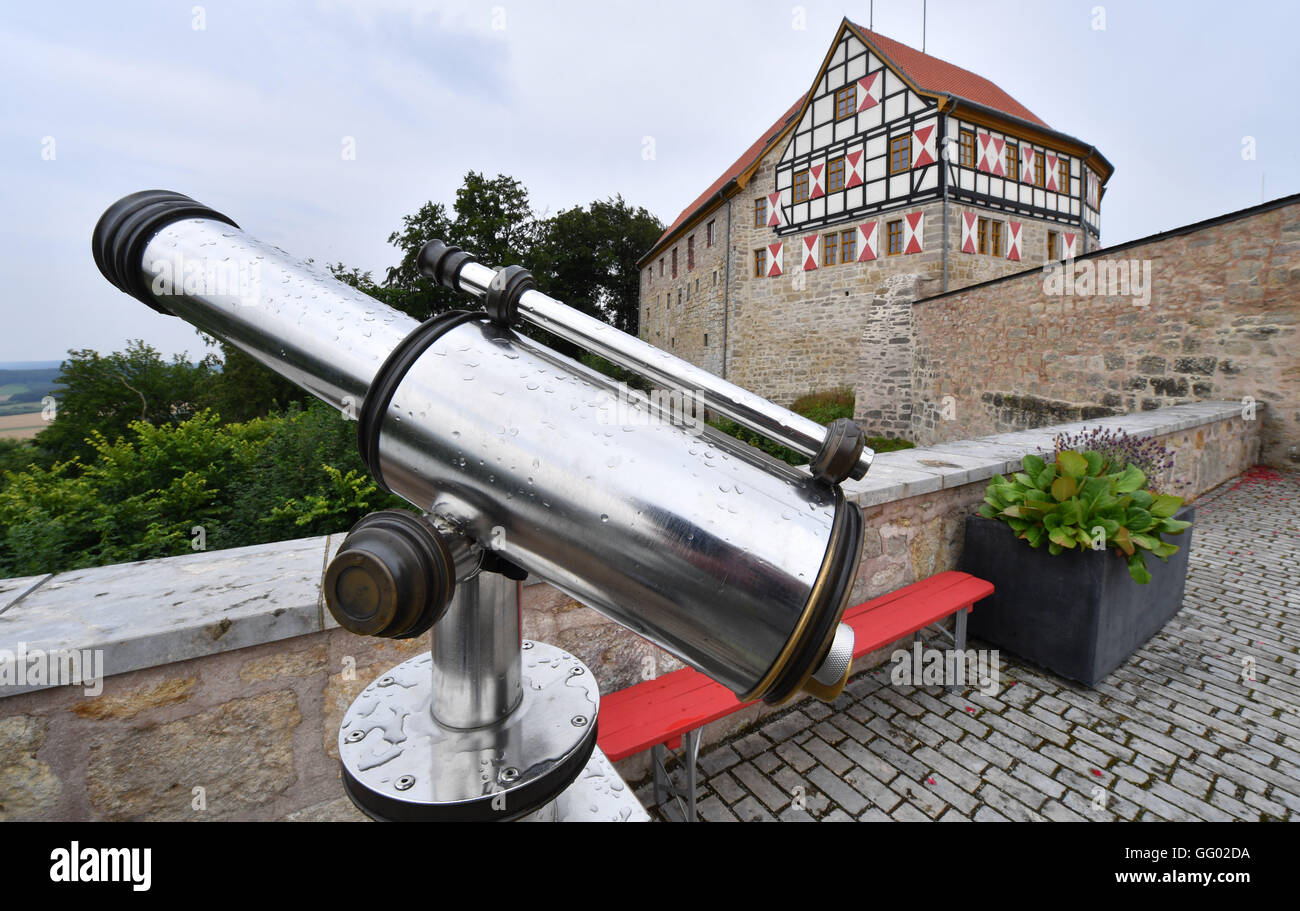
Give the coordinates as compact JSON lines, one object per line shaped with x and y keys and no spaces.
{"x":393,"y":576}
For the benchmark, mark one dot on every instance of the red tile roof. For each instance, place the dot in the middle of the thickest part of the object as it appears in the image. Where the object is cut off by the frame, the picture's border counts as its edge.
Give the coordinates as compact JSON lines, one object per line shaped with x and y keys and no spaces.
{"x":944,"y":78}
{"x":929,"y":73}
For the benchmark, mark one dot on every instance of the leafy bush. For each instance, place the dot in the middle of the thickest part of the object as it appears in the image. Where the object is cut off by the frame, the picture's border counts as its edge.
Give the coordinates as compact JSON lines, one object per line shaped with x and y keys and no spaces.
{"x":286,"y":476}
{"x":1072,"y":504}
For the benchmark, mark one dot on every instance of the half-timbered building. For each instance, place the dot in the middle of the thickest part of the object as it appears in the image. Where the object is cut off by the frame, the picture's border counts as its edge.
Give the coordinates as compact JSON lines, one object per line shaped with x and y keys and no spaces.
{"x":895,"y":175}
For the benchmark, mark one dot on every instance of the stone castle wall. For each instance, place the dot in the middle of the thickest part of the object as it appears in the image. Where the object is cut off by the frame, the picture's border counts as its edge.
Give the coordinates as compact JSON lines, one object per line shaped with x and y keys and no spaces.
{"x":1222,"y":321}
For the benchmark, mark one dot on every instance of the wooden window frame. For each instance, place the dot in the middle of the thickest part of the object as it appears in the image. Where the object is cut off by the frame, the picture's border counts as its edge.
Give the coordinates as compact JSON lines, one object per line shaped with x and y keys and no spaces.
{"x":896,"y":143}
{"x":834,"y":167}
{"x":1040,"y":169}
{"x":1052,"y":245}
{"x":966,"y":148}
{"x":760,"y":212}
{"x":1063,"y":175}
{"x":830,"y":248}
{"x":847,"y":94}
{"x":848,"y":246}
{"x":708,"y":235}
{"x":690,"y":253}
{"x":982,"y":236}
{"x":798,"y":175}
{"x":1013,"y":160}
{"x":995,"y":238}
{"x":894,"y":232}
{"x":760,"y":262}
{"x":674,"y":262}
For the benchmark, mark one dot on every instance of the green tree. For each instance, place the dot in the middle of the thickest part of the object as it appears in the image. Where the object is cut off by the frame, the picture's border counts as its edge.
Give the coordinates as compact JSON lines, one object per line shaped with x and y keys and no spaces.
{"x":244,"y":389}
{"x":491,"y":218}
{"x":586,"y":257}
{"x":104,"y":394}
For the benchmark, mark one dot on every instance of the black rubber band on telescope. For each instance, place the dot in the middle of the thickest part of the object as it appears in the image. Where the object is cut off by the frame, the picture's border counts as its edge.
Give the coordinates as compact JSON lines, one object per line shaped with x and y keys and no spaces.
{"x":390,"y":376}
{"x":127,"y":226}
{"x":508,"y":285}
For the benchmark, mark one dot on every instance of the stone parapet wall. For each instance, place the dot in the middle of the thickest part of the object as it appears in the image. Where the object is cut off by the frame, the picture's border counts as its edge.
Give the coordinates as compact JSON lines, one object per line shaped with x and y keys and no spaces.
{"x":225,"y":673}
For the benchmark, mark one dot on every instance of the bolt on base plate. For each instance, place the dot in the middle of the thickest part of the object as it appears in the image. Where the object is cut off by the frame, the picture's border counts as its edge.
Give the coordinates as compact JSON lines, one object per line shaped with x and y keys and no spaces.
{"x":398,"y":764}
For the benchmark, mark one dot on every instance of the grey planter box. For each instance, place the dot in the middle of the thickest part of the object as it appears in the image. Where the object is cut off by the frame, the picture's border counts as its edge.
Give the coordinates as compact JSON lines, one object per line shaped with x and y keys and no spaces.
{"x":1079,"y":615}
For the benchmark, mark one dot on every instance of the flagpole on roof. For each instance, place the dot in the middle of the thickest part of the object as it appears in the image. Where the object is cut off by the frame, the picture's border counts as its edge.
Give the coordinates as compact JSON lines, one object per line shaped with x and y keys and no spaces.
{"x":923,"y":5}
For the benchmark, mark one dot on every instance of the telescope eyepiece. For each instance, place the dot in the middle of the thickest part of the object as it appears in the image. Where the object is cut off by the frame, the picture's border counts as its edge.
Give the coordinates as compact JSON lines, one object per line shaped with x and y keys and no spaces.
{"x":393,"y":577}
{"x":441,"y":264}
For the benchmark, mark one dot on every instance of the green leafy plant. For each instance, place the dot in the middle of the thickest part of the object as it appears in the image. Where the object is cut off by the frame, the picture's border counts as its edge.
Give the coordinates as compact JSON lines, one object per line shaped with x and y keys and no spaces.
{"x":1071,"y":504}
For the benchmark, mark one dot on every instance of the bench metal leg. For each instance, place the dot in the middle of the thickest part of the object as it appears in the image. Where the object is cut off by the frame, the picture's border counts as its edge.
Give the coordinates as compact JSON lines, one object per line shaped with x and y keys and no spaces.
{"x":665,"y":787}
{"x":657,"y":764}
{"x":691,"y":749}
{"x":959,"y":641}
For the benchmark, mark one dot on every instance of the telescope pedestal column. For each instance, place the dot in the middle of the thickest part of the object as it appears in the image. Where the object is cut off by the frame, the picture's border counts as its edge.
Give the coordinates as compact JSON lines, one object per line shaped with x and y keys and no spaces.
{"x":487,"y":726}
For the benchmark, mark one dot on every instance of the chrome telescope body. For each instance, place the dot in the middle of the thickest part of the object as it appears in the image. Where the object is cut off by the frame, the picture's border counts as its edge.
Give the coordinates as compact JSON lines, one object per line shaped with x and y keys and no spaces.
{"x":738,"y":565}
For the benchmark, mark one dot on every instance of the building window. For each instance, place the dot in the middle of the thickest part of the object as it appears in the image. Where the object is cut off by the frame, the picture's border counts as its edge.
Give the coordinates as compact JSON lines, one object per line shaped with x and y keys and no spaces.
{"x":835,"y":175}
{"x":1040,"y":170}
{"x":1051,"y":245}
{"x":679,"y":298}
{"x":661,"y":267}
{"x":674,"y":262}
{"x":706,"y":340}
{"x":966,"y":156}
{"x":846,"y":101}
{"x":982,"y":243}
{"x":1013,"y":161}
{"x":688,"y":292}
{"x":995,"y":238}
{"x":848,"y":246}
{"x":708,"y":240}
{"x":690,"y":253}
{"x":1063,"y":170}
{"x":715,"y":278}
{"x":894,"y":232}
{"x":900,"y":153}
{"x":830,"y":245}
{"x":801,"y":186}
{"x":760,"y":262}
{"x":760,"y":212}
{"x":697,"y":287}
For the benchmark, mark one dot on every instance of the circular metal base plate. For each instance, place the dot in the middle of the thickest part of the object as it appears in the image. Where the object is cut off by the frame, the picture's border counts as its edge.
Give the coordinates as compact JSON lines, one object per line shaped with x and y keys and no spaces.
{"x":398,"y":764}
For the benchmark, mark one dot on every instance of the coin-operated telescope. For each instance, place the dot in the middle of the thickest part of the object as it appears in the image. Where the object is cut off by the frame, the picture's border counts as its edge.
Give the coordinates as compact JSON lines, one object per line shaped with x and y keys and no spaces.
{"x":521,"y":461}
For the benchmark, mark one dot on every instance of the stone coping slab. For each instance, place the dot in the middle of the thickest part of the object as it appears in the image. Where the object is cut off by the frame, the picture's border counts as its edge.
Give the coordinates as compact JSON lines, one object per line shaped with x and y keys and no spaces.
{"x":156,"y":612}
{"x":899,"y":475}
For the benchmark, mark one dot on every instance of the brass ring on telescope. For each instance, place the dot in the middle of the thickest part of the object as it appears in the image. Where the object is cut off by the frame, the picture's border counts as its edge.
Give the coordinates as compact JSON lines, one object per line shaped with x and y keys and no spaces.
{"x":821,"y":615}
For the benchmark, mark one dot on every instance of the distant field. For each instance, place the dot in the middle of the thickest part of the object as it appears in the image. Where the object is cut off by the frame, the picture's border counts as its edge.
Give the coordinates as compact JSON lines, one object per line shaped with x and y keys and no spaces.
{"x":21,"y":391}
{"x":21,"y":426}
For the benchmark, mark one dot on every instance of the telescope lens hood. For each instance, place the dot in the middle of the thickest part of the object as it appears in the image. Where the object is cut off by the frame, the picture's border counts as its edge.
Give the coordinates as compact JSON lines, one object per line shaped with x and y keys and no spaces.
{"x":127,"y":226}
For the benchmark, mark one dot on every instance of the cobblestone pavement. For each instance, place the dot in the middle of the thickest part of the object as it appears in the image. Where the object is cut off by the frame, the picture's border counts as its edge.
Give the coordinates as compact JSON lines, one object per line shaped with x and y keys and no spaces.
{"x":1176,"y":733}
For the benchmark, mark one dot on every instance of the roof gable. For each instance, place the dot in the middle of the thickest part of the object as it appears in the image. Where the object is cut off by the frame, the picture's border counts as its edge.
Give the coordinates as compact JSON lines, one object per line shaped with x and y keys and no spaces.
{"x":939,"y":77}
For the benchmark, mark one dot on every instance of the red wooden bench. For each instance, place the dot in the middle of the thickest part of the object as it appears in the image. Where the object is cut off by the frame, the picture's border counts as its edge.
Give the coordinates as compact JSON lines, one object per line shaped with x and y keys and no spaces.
{"x":671,"y":711}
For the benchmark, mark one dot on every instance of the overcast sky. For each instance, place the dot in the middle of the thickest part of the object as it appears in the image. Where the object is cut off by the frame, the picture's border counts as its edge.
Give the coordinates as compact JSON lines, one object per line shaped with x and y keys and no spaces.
{"x":247,"y":106}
